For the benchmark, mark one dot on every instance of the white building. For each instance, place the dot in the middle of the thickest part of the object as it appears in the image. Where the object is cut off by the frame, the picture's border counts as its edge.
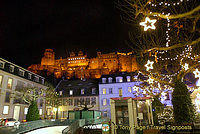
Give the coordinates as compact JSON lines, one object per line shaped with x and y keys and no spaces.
{"x":12,"y":78}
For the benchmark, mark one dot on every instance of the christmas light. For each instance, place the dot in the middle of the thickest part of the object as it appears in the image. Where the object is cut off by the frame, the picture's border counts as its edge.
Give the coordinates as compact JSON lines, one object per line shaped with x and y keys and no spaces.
{"x":196,"y":73}
{"x":149,"y":65}
{"x":150,"y":80}
{"x":148,"y":24}
{"x":186,"y":66}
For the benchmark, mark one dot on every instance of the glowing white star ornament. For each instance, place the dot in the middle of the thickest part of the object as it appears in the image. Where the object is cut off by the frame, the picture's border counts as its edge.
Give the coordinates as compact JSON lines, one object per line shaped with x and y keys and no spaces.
{"x":196,"y":73}
{"x":148,"y":24}
{"x":149,"y":65}
{"x":186,"y":66}
{"x":150,"y":80}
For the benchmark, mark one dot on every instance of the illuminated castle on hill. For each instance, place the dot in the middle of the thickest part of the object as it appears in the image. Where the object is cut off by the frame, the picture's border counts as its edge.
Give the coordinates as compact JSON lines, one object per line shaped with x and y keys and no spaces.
{"x":81,"y":66}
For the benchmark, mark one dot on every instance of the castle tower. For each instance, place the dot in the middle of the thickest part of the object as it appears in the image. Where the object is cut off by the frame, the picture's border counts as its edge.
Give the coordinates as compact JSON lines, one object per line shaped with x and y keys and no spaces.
{"x":49,"y":58}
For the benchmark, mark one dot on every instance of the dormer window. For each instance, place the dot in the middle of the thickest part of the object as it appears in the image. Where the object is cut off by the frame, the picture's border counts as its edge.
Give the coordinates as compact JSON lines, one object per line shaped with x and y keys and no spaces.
{"x":21,"y":72}
{"x":93,"y":90}
{"x":110,"y":80}
{"x":71,"y":92}
{"x":103,"y":80}
{"x":29,"y":75}
{"x":82,"y":91}
{"x":42,"y":81}
{"x":2,"y":64}
{"x":128,"y":78}
{"x":119,"y":79}
{"x":36,"y":78}
{"x":11,"y":68}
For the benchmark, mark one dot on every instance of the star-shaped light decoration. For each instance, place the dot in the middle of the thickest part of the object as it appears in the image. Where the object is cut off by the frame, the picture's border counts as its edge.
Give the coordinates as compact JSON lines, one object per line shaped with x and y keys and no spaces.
{"x":148,"y":24}
{"x":185,"y":66}
{"x":135,"y":88}
{"x":150,"y":80}
{"x":149,"y":65}
{"x":196,"y":73}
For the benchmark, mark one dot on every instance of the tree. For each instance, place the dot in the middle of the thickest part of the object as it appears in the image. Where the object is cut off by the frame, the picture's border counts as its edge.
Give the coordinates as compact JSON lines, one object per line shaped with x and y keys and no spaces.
{"x":166,"y":40}
{"x":33,"y":112}
{"x":183,"y":107}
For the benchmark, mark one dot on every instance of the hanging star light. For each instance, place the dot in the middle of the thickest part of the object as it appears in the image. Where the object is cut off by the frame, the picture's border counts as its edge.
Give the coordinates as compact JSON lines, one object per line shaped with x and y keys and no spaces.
{"x":150,"y":80}
{"x":149,"y":65}
{"x":185,"y":66}
{"x":196,"y":73}
{"x":148,"y":24}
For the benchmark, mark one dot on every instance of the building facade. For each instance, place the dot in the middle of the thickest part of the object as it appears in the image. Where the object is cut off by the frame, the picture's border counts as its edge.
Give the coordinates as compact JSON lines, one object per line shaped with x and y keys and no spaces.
{"x":115,"y":86}
{"x":80,"y":66}
{"x":78,"y":95}
{"x":12,"y":79}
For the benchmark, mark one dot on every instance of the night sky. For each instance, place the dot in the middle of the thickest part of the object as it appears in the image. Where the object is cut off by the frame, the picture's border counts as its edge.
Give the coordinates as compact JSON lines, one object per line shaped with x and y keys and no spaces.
{"x":28,"y":27}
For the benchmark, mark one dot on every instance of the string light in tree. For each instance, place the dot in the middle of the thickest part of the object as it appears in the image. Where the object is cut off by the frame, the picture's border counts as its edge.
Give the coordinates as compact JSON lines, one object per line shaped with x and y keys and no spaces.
{"x":149,"y":65}
{"x":148,"y":24}
{"x":196,"y":73}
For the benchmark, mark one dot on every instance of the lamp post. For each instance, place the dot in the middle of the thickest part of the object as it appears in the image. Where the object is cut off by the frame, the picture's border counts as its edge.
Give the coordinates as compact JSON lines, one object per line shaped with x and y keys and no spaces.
{"x":61,"y":104}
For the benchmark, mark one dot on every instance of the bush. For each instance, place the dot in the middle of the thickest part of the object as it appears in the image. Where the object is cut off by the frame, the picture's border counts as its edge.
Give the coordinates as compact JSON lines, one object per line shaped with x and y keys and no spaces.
{"x":33,"y":112}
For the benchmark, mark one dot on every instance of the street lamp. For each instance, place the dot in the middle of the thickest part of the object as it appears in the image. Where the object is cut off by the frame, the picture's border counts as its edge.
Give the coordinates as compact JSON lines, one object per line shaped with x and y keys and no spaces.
{"x":61,"y":94}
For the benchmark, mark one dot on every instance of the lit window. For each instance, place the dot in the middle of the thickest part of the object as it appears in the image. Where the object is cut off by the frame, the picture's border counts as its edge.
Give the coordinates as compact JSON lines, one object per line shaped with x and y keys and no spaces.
{"x":71,"y":92}
{"x":82,"y":91}
{"x":104,"y":102}
{"x":5,"y":109}
{"x":104,"y":91}
{"x":93,"y":90}
{"x":119,"y":79}
{"x":2,"y":64}
{"x":129,"y":89}
{"x":10,"y":81}
{"x":120,"y":92}
{"x":25,"y":110}
{"x":21,"y":72}
{"x":40,"y":111}
{"x":11,"y":68}
{"x":128,"y":78}
{"x":68,"y":62}
{"x":110,"y":91}
{"x":1,"y":80}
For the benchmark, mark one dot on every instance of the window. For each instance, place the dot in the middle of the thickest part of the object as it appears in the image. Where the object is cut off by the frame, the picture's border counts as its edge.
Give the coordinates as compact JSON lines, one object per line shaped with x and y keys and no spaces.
{"x":70,"y":102}
{"x":120,"y":92}
{"x":20,"y":86}
{"x":82,"y":91}
{"x":48,"y":111}
{"x":104,"y":102}
{"x":1,"y":80}
{"x":5,"y":109}
{"x":105,"y":113}
{"x":129,"y":89}
{"x":25,"y":110}
{"x":40,"y":111}
{"x":7,"y":97}
{"x":10,"y":81}
{"x":29,"y":75}
{"x":93,"y":101}
{"x":128,"y":78}
{"x":110,"y":80}
{"x":11,"y":68}
{"x":87,"y":101}
{"x":21,"y":72}
{"x":36,"y":78}
{"x":71,"y":92}
{"x":119,"y":79}
{"x":104,"y":91}
{"x":93,"y":90}
{"x":2,"y":64}
{"x":42,"y":81}
{"x":110,"y":91}
{"x":103,"y":80}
